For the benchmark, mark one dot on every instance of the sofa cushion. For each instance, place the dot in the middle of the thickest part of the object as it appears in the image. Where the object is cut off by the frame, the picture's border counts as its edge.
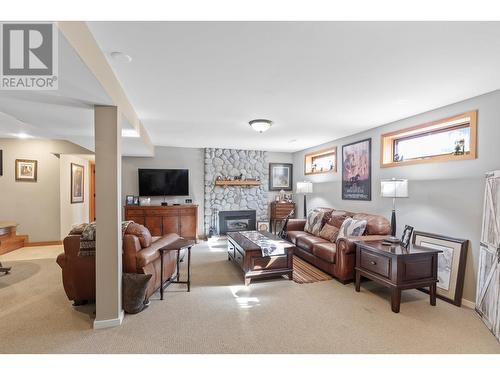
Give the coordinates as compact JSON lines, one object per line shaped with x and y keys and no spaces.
{"x":337,"y":218}
{"x":375,"y":224}
{"x":141,"y":232}
{"x":294,"y":234}
{"x":352,"y":227}
{"x":329,"y":232}
{"x":325,"y":251}
{"x":306,"y":242}
{"x":314,"y":221}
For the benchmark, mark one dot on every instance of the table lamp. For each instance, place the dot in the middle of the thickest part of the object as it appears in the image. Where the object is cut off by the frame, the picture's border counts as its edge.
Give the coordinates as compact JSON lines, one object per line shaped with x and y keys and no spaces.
{"x":305,"y":187}
{"x":394,"y":188}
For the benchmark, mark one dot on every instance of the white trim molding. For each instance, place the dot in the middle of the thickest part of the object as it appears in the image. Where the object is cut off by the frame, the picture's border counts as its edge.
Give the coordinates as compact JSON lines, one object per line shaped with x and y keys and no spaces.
{"x":109,"y":323}
{"x":469,"y":304}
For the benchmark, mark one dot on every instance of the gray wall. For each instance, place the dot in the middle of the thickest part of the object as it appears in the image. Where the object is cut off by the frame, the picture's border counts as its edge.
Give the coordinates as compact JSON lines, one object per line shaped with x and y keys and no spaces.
{"x":445,"y":198}
{"x":34,"y":205}
{"x":179,"y":157}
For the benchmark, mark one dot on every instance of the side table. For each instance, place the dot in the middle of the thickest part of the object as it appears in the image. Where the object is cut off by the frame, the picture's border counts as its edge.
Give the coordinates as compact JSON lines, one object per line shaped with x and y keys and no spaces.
{"x":176,"y":246}
{"x":397,"y":267}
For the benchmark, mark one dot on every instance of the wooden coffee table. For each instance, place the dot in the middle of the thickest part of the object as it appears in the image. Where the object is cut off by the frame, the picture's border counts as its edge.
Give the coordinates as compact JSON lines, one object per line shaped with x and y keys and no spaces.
{"x":248,"y":256}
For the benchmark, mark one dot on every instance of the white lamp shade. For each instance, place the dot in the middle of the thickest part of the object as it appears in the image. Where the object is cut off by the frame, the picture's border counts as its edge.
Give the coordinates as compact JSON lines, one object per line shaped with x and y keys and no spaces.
{"x":304,"y":187}
{"x":394,"y":188}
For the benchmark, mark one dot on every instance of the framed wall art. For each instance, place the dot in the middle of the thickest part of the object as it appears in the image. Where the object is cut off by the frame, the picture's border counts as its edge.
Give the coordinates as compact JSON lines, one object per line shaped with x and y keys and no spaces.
{"x":451,"y":264}
{"x":356,"y":171}
{"x":77,"y":180}
{"x":26,"y":170}
{"x":280,"y":176}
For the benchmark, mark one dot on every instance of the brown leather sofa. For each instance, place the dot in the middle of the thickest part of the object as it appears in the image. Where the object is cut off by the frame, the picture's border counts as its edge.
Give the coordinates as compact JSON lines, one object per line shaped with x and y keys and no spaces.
{"x":337,"y":259}
{"x":140,"y":255}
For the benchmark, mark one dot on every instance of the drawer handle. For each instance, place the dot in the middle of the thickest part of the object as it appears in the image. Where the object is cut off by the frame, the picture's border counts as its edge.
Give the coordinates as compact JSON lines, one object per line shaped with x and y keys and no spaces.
{"x":373,"y":262}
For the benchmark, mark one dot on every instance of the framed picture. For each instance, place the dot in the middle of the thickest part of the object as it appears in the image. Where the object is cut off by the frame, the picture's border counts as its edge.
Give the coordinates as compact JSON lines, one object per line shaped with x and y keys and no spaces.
{"x":129,"y":200}
{"x":263,"y":225}
{"x":280,"y":176}
{"x":136,"y":200}
{"x":26,"y":170}
{"x":356,"y":171}
{"x":451,"y":264}
{"x":77,"y":180}
{"x":406,"y":237}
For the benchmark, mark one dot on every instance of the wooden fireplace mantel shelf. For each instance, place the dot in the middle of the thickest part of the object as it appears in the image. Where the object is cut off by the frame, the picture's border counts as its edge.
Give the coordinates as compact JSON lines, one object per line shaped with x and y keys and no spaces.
{"x":237,"y":183}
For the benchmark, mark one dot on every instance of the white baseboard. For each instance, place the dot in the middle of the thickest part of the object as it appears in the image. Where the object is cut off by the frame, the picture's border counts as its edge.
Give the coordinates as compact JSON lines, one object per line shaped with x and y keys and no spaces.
{"x":469,"y":304}
{"x":109,"y":323}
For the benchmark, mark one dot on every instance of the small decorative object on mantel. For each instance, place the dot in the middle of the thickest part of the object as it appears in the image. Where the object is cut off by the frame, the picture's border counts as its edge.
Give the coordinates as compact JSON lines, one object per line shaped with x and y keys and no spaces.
{"x":280,"y":176}
{"x":406,"y":237}
{"x":451,"y":264}
{"x":26,"y":170}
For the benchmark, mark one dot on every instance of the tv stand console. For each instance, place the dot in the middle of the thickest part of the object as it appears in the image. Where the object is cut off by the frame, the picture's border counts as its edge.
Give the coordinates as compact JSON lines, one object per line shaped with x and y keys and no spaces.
{"x":160,"y":220}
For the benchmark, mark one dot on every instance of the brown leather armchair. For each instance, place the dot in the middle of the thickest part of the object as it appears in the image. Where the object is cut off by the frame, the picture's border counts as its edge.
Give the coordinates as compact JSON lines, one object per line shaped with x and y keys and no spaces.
{"x":337,"y":259}
{"x":140,"y":255}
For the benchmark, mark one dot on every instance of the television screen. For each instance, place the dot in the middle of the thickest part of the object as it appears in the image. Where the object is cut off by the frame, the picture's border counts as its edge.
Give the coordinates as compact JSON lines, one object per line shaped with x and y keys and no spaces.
{"x":159,"y":182}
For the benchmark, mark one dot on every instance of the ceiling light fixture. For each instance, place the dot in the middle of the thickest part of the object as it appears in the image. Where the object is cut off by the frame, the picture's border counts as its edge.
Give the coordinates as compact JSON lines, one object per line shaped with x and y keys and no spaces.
{"x":260,"y":125}
{"x":22,"y":135}
{"x":120,"y":57}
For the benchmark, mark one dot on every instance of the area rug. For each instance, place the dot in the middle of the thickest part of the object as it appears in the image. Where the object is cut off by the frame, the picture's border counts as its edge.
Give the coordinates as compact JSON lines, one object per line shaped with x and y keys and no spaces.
{"x":304,"y":273}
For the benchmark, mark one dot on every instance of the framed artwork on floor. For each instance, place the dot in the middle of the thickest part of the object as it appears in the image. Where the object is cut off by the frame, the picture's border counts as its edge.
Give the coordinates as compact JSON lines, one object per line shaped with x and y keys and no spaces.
{"x":26,"y":170}
{"x":280,"y":176}
{"x":357,"y":171}
{"x":77,"y":180}
{"x":451,"y":264}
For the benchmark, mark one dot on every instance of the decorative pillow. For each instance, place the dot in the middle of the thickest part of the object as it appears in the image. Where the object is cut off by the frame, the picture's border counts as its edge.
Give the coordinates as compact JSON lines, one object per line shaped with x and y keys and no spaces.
{"x":140,"y":231}
{"x":134,"y":291}
{"x":314,"y":221}
{"x":77,"y":229}
{"x":329,"y":232}
{"x":337,"y":218}
{"x":351,"y":227}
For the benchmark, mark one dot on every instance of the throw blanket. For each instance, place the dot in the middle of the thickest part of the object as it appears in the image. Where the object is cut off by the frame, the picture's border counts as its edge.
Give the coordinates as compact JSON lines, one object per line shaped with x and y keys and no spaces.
{"x":88,"y":236}
{"x":268,"y":246}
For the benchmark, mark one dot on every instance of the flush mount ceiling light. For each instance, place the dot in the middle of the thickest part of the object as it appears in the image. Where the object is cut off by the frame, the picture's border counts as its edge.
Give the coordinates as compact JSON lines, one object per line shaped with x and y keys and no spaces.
{"x":120,"y":57}
{"x":260,"y":125}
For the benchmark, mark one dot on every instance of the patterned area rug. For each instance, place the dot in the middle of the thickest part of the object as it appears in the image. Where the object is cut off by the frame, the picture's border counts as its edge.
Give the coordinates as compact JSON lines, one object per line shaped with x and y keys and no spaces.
{"x":304,"y":273}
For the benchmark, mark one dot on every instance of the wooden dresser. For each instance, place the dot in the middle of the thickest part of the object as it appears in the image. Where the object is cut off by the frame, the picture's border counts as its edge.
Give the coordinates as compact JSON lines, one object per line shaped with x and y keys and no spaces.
{"x":160,"y":220}
{"x":279,"y":211}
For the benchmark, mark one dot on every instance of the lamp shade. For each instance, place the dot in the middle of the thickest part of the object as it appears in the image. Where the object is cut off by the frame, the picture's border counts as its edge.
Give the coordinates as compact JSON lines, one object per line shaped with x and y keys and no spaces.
{"x":394,"y":188}
{"x":304,"y":187}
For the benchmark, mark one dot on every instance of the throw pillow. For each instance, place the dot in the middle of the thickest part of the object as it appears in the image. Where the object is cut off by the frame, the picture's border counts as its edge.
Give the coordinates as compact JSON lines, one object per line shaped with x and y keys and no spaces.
{"x":134,"y":291}
{"x":77,"y":229}
{"x":337,"y":218}
{"x":351,"y":227}
{"x":329,"y":232}
{"x":314,"y":221}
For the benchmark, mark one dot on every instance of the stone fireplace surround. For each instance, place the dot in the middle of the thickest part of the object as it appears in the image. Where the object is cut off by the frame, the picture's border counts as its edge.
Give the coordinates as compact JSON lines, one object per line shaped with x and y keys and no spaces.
{"x":228,"y":162}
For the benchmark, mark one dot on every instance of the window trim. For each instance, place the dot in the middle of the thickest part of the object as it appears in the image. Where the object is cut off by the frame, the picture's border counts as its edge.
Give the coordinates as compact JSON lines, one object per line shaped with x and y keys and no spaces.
{"x":387,"y":140}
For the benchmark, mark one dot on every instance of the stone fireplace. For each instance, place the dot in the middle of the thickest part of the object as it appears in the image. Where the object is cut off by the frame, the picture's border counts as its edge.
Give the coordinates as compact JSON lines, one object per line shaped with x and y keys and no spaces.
{"x":235,"y":221}
{"x":231,"y":163}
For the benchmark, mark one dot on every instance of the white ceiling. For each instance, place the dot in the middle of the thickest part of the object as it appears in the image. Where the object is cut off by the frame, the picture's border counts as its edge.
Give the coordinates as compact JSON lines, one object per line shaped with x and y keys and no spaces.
{"x":197,"y":84}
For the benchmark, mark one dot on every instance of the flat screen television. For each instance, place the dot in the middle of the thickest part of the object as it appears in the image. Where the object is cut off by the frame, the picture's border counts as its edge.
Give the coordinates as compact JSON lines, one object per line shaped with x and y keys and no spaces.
{"x":161,"y":182}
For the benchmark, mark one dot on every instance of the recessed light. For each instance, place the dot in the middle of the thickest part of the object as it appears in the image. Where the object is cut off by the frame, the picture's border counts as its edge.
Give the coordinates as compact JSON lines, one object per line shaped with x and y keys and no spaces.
{"x":120,"y":57}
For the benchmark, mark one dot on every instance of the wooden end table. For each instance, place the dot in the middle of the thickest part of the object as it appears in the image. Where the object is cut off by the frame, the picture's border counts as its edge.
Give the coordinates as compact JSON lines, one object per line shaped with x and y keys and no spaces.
{"x":178,"y":245}
{"x":397,"y":268}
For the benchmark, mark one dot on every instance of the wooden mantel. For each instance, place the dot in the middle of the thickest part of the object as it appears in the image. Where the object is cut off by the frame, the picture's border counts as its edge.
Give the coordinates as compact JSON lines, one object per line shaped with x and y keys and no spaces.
{"x":248,"y":183}
{"x":9,"y":240}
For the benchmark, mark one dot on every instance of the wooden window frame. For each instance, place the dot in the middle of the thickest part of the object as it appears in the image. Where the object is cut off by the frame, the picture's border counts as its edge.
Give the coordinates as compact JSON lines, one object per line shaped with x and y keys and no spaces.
{"x":388,"y":140}
{"x":308,"y":160}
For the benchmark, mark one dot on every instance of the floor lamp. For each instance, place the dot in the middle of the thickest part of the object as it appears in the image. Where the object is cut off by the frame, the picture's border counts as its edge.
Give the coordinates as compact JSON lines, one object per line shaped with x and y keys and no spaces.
{"x":305,"y":187}
{"x":394,"y":188}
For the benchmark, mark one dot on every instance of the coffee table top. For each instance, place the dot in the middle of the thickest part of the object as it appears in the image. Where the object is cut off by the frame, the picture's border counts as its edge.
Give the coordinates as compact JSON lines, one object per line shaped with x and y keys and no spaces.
{"x":395,"y":249}
{"x":248,"y":245}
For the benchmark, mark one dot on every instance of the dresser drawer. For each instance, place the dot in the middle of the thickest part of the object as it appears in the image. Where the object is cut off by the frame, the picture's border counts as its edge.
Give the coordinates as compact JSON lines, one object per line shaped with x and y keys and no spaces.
{"x":375,"y":263}
{"x":134,"y":212}
{"x":238,"y":257}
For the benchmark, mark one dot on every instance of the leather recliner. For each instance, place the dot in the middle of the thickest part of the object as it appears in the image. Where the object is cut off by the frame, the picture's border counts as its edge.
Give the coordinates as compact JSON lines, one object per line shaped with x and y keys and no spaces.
{"x":337,"y":259}
{"x":140,"y":255}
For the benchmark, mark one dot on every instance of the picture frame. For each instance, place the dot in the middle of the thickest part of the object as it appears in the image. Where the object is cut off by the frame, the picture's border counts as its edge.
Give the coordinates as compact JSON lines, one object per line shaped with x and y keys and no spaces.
{"x":77,"y":183}
{"x":280,"y":176}
{"x":26,"y":170}
{"x":263,"y":225}
{"x":451,"y":264}
{"x":406,"y":237}
{"x":357,"y":170}
{"x":136,"y":200}
{"x":129,"y":200}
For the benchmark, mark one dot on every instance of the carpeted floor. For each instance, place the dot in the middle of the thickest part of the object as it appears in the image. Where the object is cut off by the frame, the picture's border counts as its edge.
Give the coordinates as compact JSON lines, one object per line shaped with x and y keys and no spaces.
{"x":220,"y":315}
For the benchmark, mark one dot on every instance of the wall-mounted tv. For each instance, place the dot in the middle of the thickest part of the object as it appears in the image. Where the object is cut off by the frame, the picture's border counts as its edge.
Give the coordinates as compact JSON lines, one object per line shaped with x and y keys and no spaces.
{"x":161,"y":182}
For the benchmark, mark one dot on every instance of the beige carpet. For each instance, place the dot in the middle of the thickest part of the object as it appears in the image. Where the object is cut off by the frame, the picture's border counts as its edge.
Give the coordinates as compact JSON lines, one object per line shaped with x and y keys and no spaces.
{"x":220,"y":315}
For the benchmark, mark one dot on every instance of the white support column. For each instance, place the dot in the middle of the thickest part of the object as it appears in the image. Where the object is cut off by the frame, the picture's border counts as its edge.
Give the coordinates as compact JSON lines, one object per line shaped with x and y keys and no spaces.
{"x":109,"y":312}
